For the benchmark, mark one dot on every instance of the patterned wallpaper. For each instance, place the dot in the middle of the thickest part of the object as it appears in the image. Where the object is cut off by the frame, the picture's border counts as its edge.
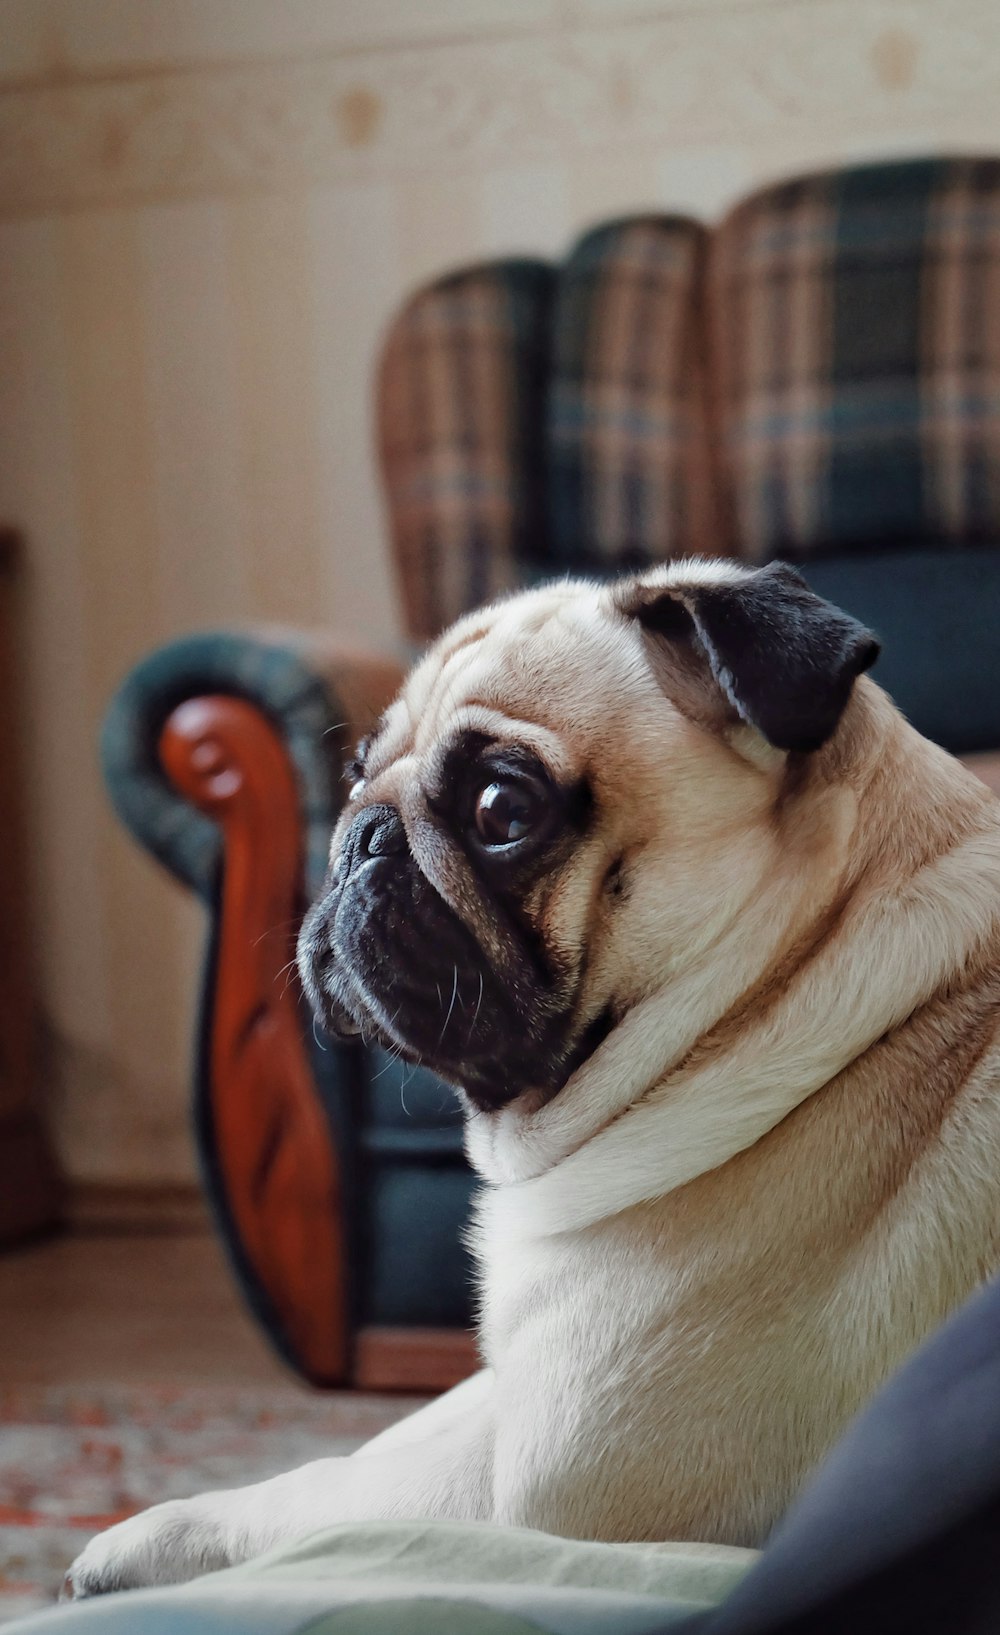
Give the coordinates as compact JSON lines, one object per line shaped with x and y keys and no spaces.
{"x":203,"y":229}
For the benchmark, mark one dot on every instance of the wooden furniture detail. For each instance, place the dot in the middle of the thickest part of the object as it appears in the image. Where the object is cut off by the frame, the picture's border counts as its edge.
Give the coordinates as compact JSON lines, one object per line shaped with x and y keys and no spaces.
{"x":29,"y":1188}
{"x":413,"y":1359}
{"x":279,"y":1167}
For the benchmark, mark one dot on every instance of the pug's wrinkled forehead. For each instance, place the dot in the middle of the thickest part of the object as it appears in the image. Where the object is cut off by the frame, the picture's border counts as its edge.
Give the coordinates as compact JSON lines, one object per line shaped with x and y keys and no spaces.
{"x":510,"y":673}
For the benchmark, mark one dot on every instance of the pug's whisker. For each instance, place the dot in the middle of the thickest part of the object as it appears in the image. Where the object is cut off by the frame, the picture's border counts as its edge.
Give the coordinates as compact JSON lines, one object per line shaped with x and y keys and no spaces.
{"x":451,"y":1007}
{"x":475,"y":1014}
{"x":294,"y":920}
{"x":394,"y":1054}
{"x":392,"y":1050}
{"x":471,"y":1112}
{"x":395,"y":1051}
{"x":287,"y":971}
{"x":319,"y":1043}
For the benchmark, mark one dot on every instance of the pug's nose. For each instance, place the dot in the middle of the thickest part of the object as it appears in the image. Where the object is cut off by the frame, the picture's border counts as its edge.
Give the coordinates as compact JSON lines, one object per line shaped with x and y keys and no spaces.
{"x":376,"y":832}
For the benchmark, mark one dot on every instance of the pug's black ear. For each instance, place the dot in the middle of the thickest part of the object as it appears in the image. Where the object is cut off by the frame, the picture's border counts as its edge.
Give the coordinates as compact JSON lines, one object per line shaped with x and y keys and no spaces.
{"x":784,"y":658}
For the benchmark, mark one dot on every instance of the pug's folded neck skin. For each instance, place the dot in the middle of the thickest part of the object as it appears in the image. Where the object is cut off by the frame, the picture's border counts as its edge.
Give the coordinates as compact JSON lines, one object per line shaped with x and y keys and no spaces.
{"x":629,"y":866}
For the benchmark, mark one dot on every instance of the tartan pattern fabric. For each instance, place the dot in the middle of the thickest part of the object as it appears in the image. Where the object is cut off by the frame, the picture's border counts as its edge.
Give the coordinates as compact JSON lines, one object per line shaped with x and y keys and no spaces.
{"x":831,"y":382}
{"x":460,"y":422}
{"x":536,"y":420}
{"x":855,"y":329}
{"x":625,"y":432}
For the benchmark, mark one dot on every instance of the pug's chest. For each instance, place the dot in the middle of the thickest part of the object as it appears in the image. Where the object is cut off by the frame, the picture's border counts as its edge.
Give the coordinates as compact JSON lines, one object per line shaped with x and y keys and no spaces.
{"x":609,"y":1300}
{"x":639,"y":1396}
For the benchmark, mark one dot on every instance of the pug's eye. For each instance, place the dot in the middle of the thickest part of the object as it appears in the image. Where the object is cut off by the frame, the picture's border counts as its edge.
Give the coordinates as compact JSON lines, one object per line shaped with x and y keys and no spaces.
{"x":506,"y":811}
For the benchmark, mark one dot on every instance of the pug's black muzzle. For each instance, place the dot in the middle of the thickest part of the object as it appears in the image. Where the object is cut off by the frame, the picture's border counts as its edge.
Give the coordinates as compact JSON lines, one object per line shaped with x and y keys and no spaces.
{"x":383,"y":953}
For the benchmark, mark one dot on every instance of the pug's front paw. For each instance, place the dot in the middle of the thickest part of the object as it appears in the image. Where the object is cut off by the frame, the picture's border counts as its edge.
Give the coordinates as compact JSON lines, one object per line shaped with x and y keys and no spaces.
{"x":166,"y":1545}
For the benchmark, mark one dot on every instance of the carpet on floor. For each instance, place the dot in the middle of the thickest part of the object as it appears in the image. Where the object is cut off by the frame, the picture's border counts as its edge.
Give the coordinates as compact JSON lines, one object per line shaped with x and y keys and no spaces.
{"x":73,"y":1461}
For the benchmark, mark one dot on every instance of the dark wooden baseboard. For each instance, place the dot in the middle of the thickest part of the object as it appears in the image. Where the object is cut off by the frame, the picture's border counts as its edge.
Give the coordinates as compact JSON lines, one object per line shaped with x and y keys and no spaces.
{"x":413,"y":1359}
{"x":133,"y":1208}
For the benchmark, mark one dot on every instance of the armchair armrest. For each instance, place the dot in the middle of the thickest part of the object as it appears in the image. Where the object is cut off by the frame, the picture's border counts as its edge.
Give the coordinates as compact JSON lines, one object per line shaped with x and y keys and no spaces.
{"x":319,"y":694}
{"x":222,"y":754}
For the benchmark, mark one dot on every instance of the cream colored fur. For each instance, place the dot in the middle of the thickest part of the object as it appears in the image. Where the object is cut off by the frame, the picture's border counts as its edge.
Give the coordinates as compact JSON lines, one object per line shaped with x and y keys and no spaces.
{"x":777,"y":1174}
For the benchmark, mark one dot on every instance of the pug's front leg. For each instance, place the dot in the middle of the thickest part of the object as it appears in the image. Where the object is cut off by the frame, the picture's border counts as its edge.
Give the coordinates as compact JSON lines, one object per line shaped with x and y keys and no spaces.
{"x":184,"y":1538}
{"x":437,"y":1463}
{"x":168,"y":1544}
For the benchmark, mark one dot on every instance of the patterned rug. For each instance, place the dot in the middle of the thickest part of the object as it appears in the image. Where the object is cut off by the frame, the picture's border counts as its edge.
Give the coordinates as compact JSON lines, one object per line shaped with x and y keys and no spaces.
{"x":74,"y":1460}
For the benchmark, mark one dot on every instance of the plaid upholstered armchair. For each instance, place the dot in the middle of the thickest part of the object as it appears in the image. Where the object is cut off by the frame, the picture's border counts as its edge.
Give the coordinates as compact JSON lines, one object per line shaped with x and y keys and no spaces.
{"x":817,"y":378}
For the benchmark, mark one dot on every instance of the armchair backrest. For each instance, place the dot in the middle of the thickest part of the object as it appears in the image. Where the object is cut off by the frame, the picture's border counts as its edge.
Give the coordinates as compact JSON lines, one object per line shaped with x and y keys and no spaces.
{"x":537,"y":419}
{"x":855,"y":345}
{"x":818,"y":375}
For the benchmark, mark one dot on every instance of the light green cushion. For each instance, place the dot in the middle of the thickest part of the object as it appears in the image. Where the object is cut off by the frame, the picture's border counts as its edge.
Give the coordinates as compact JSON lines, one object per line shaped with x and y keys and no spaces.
{"x":426,"y":1578}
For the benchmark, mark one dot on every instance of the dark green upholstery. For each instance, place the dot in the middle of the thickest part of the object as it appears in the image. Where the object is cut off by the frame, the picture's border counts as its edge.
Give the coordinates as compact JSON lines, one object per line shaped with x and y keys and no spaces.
{"x":938,"y":615}
{"x":413,"y":1266}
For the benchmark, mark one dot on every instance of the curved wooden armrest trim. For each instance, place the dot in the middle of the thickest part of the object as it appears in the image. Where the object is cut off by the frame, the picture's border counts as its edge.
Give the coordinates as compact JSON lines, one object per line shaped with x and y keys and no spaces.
{"x":275,"y":1153}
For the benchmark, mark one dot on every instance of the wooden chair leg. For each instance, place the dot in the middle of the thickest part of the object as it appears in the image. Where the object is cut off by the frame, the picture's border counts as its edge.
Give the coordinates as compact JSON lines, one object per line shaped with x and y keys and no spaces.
{"x":277,"y":1161}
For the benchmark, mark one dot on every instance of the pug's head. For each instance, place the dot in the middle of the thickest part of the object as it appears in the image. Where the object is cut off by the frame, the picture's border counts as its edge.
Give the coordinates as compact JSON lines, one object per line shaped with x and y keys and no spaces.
{"x":563,"y":808}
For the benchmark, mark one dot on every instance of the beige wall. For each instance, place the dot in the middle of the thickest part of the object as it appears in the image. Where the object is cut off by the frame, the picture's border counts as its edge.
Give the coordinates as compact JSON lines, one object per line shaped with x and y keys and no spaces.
{"x":207,"y":211}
